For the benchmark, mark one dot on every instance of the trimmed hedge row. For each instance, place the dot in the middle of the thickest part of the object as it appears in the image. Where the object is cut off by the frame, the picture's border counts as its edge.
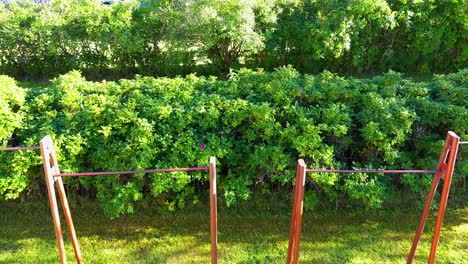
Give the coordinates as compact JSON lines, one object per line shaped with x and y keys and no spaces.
{"x":256,"y":123}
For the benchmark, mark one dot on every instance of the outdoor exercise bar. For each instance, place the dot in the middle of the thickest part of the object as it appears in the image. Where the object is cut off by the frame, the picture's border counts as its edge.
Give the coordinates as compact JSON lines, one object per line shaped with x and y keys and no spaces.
{"x":372,"y":171}
{"x":54,"y":177}
{"x":20,"y":148}
{"x":81,"y":174}
{"x":297,"y":211}
{"x":443,"y":172}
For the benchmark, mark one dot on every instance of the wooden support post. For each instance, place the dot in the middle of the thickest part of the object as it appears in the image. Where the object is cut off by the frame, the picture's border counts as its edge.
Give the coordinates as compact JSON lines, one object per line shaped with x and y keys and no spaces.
{"x":445,"y":166}
{"x":447,"y":178}
{"x":46,"y":144}
{"x":51,"y":168}
{"x":69,"y":220}
{"x":296,"y":216}
{"x":213,"y":212}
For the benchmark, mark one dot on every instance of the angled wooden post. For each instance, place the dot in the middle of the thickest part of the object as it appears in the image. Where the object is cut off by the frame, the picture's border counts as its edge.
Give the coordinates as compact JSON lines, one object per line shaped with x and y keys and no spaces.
{"x":296,"y":216}
{"x":449,"y":166}
{"x":213,"y":212}
{"x":69,"y":220}
{"x":444,"y":172}
{"x":46,"y":145}
{"x":51,"y":168}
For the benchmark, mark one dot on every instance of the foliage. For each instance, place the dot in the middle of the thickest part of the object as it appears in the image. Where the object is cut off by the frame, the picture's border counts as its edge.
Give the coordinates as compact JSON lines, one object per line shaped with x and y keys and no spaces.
{"x":257,"y":124}
{"x":176,"y":37}
{"x":430,"y":36}
{"x":368,"y":36}
{"x":329,"y":32}
{"x":12,"y":100}
{"x":226,"y":29}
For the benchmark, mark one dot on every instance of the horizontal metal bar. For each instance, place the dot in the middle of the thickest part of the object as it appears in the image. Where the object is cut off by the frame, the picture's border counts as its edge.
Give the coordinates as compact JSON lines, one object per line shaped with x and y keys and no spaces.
{"x":19,"y":148}
{"x":463,"y":142}
{"x":373,"y":171}
{"x":128,"y":172}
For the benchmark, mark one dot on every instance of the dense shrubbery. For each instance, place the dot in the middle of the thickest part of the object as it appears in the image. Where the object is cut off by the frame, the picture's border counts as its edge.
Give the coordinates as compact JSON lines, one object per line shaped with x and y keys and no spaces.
{"x":257,"y":124}
{"x":174,"y":37}
{"x":12,"y":99}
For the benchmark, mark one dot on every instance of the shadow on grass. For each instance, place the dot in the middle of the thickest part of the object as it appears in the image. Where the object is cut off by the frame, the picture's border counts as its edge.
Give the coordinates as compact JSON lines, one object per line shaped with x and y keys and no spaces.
{"x":255,"y":234}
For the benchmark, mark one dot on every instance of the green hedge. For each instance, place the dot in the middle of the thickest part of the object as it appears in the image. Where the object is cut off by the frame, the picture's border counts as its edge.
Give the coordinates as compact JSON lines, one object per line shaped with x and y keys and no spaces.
{"x":160,"y":37}
{"x":12,"y":99}
{"x":257,"y":124}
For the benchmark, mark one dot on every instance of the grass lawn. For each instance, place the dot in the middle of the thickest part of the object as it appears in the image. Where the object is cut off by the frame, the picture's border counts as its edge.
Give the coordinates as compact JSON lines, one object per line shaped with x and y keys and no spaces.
{"x":248,"y":233}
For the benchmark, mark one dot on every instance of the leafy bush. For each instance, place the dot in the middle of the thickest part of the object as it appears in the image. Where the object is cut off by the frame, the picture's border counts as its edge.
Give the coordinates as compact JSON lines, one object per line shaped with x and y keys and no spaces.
{"x":175,"y":37}
{"x":12,"y":100}
{"x":364,"y":36}
{"x":256,"y":123}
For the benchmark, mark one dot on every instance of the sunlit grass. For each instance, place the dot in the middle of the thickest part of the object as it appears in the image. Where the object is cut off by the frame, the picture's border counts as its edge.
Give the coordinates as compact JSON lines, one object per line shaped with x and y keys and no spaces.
{"x":249,"y":233}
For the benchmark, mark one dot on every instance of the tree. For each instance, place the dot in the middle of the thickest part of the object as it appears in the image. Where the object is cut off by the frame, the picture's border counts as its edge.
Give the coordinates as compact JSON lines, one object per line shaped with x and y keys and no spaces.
{"x":224,"y":30}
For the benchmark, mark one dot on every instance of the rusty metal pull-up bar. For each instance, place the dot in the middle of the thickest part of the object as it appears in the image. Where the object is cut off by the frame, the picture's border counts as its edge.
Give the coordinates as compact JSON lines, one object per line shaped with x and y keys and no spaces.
{"x":54,"y":177}
{"x":372,"y":171}
{"x":443,"y":172}
{"x":19,"y":148}
{"x":100,"y":173}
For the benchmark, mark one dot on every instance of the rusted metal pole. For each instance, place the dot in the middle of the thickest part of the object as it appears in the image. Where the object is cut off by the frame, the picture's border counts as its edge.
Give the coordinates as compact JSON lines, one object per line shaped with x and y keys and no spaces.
{"x":20,"y":148}
{"x":447,"y":178}
{"x":46,"y":144}
{"x":296,"y":216}
{"x":100,"y":173}
{"x":449,"y":150}
{"x":213,"y":212}
{"x":372,"y":171}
